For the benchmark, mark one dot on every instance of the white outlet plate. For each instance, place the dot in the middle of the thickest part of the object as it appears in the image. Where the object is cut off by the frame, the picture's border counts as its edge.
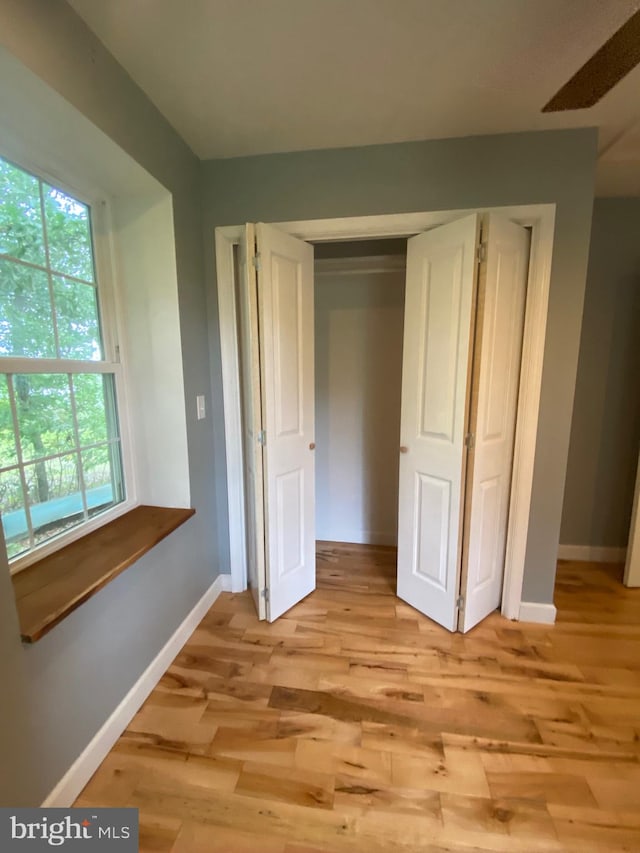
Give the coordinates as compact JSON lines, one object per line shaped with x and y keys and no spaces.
{"x":201,"y":407}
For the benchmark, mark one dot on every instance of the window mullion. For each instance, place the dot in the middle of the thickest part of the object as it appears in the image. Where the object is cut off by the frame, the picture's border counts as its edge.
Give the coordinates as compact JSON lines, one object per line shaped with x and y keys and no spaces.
{"x":76,"y":435}
{"x":18,"y":443}
{"x":45,"y":237}
{"x":51,"y":456}
{"x":30,"y":265}
{"x":9,"y":364}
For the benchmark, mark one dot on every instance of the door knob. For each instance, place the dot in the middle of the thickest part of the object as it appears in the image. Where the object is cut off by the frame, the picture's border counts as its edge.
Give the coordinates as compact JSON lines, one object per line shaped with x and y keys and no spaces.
{"x":404,"y":448}
{"x":312,"y":446}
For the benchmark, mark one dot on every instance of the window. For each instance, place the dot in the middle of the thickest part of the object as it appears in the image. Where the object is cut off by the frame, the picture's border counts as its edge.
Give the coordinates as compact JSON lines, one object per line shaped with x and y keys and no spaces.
{"x":60,"y":445}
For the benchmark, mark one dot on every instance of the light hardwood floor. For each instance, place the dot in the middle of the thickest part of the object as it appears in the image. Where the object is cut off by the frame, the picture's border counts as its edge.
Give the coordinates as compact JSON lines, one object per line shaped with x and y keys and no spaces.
{"x":355,"y":724}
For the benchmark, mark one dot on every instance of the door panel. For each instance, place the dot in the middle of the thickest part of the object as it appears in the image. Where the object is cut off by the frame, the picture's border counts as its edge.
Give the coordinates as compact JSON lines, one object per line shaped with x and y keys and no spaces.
{"x":433,"y":501}
{"x":441,"y":274}
{"x":498,"y":348}
{"x":440,"y":305}
{"x":287,"y":348}
{"x":290,"y":515}
{"x":285,"y":293}
{"x":252,"y":419}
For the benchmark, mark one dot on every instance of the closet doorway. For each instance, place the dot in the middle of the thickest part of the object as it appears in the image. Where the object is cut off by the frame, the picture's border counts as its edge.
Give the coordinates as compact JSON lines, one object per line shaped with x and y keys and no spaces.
{"x":358,"y":324}
{"x":441,"y":462}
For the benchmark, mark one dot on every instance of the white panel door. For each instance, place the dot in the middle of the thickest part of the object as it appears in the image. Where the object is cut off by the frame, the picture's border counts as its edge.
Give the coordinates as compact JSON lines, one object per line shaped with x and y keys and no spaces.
{"x":497,"y":354}
{"x":247,"y":300}
{"x":285,"y":306}
{"x":439,"y":301}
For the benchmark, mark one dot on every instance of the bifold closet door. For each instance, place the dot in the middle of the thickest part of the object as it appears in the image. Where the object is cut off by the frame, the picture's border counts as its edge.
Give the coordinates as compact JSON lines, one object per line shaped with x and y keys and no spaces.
{"x":494,"y":400}
{"x":439,"y":301}
{"x":251,"y":419}
{"x":285,"y":313}
{"x":443,"y":491}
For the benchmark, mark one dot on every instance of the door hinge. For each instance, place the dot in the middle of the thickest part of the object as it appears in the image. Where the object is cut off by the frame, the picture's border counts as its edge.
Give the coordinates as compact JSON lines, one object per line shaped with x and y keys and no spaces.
{"x":257,"y":263}
{"x":265,"y":594}
{"x":469,"y":440}
{"x":481,"y":252}
{"x":262,"y":437}
{"x":460,"y":602}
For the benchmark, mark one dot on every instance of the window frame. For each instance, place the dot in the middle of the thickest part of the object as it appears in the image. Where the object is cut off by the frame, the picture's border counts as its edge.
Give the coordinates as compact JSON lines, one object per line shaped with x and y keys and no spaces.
{"x":112,"y":327}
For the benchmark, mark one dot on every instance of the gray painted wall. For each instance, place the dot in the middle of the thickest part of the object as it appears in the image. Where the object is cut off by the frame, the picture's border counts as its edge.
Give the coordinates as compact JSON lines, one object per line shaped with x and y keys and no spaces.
{"x":605,"y":433}
{"x":359,"y":320}
{"x":57,"y":693}
{"x":522,"y":168}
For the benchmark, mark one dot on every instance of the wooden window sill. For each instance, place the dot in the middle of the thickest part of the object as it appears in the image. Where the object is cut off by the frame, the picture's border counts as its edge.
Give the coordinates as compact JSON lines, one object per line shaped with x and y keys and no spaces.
{"x":49,"y":590}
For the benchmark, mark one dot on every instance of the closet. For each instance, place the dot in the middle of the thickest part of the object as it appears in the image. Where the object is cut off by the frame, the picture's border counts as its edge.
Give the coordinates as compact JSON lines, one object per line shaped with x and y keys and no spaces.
{"x":358,"y":325}
{"x":461,"y":339}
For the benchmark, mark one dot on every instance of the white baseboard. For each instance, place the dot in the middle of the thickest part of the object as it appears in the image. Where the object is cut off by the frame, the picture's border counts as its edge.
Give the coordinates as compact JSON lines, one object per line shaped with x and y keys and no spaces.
{"x":83,"y":768}
{"x":592,"y":553}
{"x":226,"y":581}
{"x":533,"y":611}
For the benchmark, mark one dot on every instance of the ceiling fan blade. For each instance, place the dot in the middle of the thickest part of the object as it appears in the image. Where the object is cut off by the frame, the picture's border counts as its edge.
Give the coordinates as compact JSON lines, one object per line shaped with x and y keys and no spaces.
{"x":615,"y":59}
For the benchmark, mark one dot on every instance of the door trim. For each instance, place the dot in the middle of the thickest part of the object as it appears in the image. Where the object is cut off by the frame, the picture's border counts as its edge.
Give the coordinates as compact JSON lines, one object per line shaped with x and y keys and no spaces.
{"x":632,"y":555}
{"x":225,"y":241}
{"x":541,"y":219}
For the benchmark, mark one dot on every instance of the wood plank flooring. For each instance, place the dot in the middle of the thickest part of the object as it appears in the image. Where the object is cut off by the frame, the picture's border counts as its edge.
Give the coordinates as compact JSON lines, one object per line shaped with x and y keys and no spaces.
{"x":355,"y":724}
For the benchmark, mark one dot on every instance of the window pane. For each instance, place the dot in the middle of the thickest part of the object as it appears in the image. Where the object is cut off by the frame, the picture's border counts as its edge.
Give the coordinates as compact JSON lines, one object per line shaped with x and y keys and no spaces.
{"x":94,"y":403}
{"x":55,"y":499}
{"x":18,"y":546}
{"x":26,"y":327}
{"x":54,"y":485}
{"x":8,"y":455}
{"x":103,"y":477}
{"x":45,"y":420}
{"x":68,"y":234}
{"x":77,"y":318}
{"x":20,"y":215}
{"x":14,"y":520}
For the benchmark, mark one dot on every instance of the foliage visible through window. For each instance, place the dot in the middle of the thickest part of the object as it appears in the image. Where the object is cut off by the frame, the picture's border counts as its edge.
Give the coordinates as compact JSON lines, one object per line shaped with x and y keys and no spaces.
{"x":60,"y":456}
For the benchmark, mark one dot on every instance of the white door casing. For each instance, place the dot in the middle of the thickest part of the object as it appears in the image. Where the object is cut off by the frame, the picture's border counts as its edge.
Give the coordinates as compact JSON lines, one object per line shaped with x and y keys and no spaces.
{"x":439,"y":300}
{"x":285,"y":309}
{"x":540,"y":218}
{"x":497,"y":357}
{"x":632,"y":565}
{"x":249,"y":357}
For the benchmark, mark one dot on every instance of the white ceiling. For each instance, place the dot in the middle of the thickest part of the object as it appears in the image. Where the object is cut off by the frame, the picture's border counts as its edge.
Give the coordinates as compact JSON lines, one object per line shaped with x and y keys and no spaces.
{"x":239,"y":77}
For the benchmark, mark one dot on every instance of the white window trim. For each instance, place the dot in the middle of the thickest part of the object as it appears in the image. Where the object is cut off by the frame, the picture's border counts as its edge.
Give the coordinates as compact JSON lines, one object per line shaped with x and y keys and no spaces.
{"x":46,"y":134}
{"x":541,"y":219}
{"x":114,"y":361}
